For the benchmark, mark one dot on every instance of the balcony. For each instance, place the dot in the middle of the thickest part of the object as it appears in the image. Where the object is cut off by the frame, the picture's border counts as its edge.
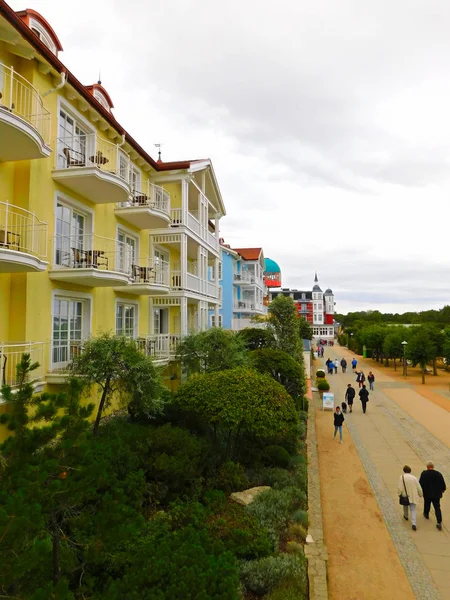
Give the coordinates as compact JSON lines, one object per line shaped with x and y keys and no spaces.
{"x":160,"y":347}
{"x":192,"y":224}
{"x":23,"y":240}
{"x":247,"y":278}
{"x":93,"y":168}
{"x":149,"y":278}
{"x":24,"y":122}
{"x":91,"y":260}
{"x":11,"y":355}
{"x":147,"y":208}
{"x":246,"y":306}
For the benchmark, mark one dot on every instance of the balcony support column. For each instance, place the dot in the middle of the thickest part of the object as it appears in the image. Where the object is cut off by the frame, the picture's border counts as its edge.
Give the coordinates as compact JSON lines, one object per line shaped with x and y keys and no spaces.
{"x":183,"y":261}
{"x":184,"y":316}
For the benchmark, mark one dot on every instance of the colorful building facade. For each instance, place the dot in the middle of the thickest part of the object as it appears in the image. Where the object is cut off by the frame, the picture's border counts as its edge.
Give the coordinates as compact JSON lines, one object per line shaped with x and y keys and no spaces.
{"x":249,"y":289}
{"x":95,"y":235}
{"x":272,"y":274}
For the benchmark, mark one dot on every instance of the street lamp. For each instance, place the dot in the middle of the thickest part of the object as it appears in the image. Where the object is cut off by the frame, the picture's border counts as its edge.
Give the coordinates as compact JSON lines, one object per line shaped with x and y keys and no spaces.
{"x":351,"y":340}
{"x":404,"y":344}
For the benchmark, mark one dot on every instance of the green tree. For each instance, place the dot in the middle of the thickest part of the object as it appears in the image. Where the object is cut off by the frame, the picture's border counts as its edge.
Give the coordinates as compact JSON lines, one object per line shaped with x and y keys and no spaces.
{"x":446,"y":347}
{"x":216,"y":349}
{"x":437,"y":336}
{"x":421,"y":349}
{"x":283,"y":368}
{"x":284,"y":324}
{"x":116,"y":366}
{"x":373,"y":337}
{"x":305,"y":329}
{"x":392,"y":345}
{"x":256,"y":338}
{"x":236,"y":403}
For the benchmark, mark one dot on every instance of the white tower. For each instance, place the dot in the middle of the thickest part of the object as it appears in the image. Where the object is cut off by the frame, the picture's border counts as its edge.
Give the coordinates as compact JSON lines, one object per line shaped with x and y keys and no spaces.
{"x":318,"y":307}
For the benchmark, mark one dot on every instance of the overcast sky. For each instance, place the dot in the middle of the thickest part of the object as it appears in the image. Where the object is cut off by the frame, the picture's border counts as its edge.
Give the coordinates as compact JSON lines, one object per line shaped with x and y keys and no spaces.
{"x":328,"y":124}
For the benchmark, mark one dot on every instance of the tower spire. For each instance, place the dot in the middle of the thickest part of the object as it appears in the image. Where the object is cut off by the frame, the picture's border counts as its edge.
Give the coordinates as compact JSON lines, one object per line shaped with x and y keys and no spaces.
{"x":315,"y":279}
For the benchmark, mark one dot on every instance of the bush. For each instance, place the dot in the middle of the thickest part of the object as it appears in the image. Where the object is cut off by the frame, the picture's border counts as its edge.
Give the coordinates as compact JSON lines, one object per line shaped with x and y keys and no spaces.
{"x":297,"y":532}
{"x":320,"y":373}
{"x":231,"y":478}
{"x":323,"y":385}
{"x":263,"y":575}
{"x":283,"y":368}
{"x":276,"y":478}
{"x":301,"y":517}
{"x":277,"y":456}
{"x":292,"y":588}
{"x":273,"y":509}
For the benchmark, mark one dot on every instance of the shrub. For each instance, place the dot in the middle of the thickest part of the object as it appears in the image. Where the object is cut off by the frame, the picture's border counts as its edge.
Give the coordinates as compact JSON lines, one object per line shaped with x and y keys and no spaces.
{"x":273,"y":509}
{"x":301,"y":517}
{"x":282,"y":367}
{"x":277,"y":456}
{"x":320,"y":373}
{"x":263,"y":575}
{"x":303,"y":416}
{"x":231,"y":478}
{"x":323,"y":385}
{"x":297,"y":532}
{"x":292,"y":588}
{"x":273,"y":476}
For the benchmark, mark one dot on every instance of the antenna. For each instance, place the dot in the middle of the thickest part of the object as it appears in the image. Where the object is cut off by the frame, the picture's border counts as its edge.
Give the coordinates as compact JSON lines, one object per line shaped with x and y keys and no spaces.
{"x":99,"y":78}
{"x":159,"y":146}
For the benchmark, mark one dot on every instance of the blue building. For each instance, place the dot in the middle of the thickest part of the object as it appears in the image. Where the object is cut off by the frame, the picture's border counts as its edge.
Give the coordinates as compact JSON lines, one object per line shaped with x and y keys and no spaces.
{"x":228,"y":266}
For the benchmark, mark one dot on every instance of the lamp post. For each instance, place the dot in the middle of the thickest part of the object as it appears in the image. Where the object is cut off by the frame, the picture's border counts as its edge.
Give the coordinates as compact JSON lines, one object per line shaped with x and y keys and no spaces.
{"x":404,"y":344}
{"x":351,"y":340}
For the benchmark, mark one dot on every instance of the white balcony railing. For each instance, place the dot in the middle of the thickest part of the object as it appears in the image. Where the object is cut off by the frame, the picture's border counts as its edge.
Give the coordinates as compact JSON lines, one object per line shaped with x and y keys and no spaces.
{"x":175,"y":279}
{"x":148,"y":195}
{"x":193,"y":283}
{"x":63,"y":353}
{"x":91,"y":251}
{"x":21,"y":230}
{"x":243,"y":305}
{"x":10,"y":357}
{"x":90,"y":150}
{"x":20,"y":97}
{"x":212,"y":290}
{"x":192,"y":223}
{"x":151,"y":271}
{"x":160,"y":346}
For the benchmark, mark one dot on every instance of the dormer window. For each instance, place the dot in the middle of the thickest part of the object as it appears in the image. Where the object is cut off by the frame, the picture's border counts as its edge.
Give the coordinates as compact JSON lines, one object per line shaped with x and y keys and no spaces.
{"x":43,"y":35}
{"x":101,"y":98}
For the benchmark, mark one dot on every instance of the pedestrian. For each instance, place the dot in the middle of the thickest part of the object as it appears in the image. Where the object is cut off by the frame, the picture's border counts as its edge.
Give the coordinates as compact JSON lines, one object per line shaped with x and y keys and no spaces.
{"x":371,"y":379}
{"x":338,"y":421}
{"x":360,"y":379}
{"x":364,"y":397}
{"x":343,"y":365}
{"x":335,"y":364}
{"x":349,"y":396}
{"x":433,"y":486}
{"x":354,"y":363}
{"x":344,"y":407}
{"x":409,"y":491}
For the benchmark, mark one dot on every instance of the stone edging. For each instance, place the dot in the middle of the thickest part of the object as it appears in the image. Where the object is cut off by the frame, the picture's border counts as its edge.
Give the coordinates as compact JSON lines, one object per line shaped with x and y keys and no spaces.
{"x":315,"y":551}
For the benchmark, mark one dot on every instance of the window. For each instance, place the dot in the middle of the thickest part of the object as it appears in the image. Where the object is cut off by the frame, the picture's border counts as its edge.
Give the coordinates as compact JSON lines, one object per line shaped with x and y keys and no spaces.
{"x":161,"y":321}
{"x":127,"y":251}
{"x":70,"y":327}
{"x":42,"y":34}
{"x":303,"y":296}
{"x":71,"y":235}
{"x":124,"y":165}
{"x":72,"y":142}
{"x":213,"y":321}
{"x":126,"y":319}
{"x":135,"y":180}
{"x":220,"y":273}
{"x":101,"y":98}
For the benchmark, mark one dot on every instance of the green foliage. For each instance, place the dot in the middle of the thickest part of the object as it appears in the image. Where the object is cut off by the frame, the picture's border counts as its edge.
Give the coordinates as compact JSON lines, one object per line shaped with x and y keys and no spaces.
{"x":355,"y":319}
{"x":238,"y":402}
{"x":231,"y":477}
{"x":273,"y":476}
{"x":263,"y":575}
{"x":256,"y":338}
{"x":301,"y":517}
{"x":292,"y":588}
{"x":272,"y":509}
{"x":320,"y":373}
{"x":116,"y":365}
{"x":305,"y":329}
{"x":213,"y":350}
{"x":283,"y":368}
{"x":166,"y":564}
{"x":323,"y":385}
{"x":446,"y":347}
{"x":284,"y":324}
{"x":421,"y":348}
{"x":277,"y":456}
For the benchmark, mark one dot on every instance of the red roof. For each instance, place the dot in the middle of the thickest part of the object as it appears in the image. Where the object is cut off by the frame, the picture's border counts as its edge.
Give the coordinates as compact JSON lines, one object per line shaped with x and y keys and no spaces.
{"x":25,"y":16}
{"x":249,"y":253}
{"x":18,"y":21}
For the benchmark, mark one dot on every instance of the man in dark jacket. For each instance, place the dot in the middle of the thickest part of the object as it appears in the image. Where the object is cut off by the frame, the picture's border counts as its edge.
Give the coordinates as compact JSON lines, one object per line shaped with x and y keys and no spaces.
{"x":349,"y":396}
{"x":364,"y":397}
{"x":343,"y":365}
{"x":338,"y":420}
{"x":433,"y":486}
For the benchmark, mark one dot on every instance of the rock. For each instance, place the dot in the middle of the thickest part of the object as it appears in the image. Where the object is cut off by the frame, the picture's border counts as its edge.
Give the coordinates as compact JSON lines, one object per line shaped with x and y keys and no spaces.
{"x":309,"y":539}
{"x":247,"y":496}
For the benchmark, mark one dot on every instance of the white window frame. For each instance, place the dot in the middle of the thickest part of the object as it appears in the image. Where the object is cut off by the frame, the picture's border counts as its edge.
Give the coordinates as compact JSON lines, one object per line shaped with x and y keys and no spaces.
{"x":70,"y":295}
{"x":101,"y":98}
{"x":44,"y":35}
{"x":128,"y":233}
{"x":132,"y":303}
{"x":73,"y":205}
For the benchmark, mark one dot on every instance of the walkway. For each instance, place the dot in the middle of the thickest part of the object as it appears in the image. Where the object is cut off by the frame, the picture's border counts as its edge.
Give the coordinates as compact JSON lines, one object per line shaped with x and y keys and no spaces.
{"x":400,"y":427}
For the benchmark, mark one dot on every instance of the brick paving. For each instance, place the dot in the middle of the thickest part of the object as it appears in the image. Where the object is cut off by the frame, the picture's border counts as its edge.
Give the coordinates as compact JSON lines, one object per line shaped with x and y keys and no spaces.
{"x":386,"y":438}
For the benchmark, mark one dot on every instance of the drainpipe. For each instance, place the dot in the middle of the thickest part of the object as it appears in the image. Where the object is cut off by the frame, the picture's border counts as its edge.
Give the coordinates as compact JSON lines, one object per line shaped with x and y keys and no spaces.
{"x":61,"y":84}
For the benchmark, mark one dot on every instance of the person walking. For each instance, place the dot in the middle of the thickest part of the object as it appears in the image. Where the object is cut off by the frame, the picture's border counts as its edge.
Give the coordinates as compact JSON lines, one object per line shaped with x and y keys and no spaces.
{"x":343,"y":365}
{"x":409,"y":490}
{"x":364,"y":397}
{"x":354,"y":363}
{"x":433,"y":486}
{"x":338,"y":421}
{"x":360,"y":379}
{"x":349,"y":396}
{"x":371,"y":379}
{"x":335,"y":365}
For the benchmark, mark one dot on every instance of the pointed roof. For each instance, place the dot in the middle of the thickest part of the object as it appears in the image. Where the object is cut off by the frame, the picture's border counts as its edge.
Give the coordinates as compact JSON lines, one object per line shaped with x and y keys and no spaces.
{"x":249,"y":253}
{"x":315,"y":279}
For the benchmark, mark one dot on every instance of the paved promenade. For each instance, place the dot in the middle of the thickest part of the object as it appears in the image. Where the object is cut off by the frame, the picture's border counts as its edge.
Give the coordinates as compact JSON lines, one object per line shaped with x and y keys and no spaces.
{"x":402,"y":427}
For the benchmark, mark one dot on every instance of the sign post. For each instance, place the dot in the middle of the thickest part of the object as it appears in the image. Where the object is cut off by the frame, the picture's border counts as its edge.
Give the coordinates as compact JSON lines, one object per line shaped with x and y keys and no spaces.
{"x":328,"y":401}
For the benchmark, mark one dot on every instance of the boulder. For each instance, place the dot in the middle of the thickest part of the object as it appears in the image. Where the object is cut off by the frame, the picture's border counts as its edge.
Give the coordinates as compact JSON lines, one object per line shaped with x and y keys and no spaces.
{"x":247,"y":496}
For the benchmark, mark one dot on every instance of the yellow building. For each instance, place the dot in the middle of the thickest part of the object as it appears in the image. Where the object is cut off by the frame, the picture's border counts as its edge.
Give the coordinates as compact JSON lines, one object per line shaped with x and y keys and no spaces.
{"x":95,"y":235}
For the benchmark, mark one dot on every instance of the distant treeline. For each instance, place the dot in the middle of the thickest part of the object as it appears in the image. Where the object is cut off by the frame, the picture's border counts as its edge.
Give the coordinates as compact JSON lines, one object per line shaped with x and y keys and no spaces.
{"x":441,"y":316}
